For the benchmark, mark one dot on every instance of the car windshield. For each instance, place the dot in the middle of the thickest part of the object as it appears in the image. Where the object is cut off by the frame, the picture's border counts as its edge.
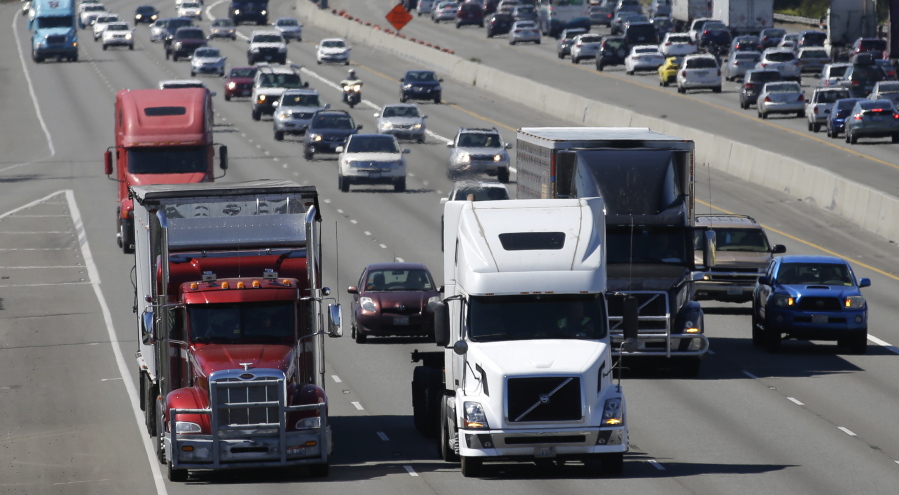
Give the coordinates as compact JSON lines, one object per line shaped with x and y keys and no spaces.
{"x":532,"y":317}
{"x":713,"y":26}
{"x":785,"y":87}
{"x":481,"y":193}
{"x":333,"y":122}
{"x":280,"y":81}
{"x":145,"y":9}
{"x":94,"y":8}
{"x":408,"y":112}
{"x":843,"y":107}
{"x":287,"y":22}
{"x":478,"y":140}
{"x":873,"y":45}
{"x":174,"y":24}
{"x":190,"y":5}
{"x":888,"y":87}
{"x":300,"y":101}
{"x":764,"y":76}
{"x":701,"y":63}
{"x":243,"y":72}
{"x":814,"y":274}
{"x":333,"y":44}
{"x":245,"y":323}
{"x":222,"y":22}
{"x":208,"y":53}
{"x":831,"y":96}
{"x":372,"y":144}
{"x":613,"y":44}
{"x":267,"y":38}
{"x":117,"y":27}
{"x":780,"y":56}
{"x":420,"y":76}
{"x":525,"y":25}
{"x":190,"y":34}
{"x":813,"y":54}
{"x":398,"y":280}
{"x":741,"y":240}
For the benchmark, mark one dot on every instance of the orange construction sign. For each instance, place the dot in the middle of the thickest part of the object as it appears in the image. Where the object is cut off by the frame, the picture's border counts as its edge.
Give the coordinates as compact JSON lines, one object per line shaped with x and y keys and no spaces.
{"x":398,"y":16}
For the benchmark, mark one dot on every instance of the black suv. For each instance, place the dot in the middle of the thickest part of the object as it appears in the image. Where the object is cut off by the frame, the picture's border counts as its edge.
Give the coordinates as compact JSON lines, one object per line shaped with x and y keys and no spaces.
{"x":184,"y":42}
{"x":328,"y":130}
{"x":752,"y":85}
{"x":173,"y":25}
{"x":499,"y":23}
{"x":612,"y":51}
{"x":640,"y":33}
{"x":420,"y":85}
{"x":470,"y":13}
{"x":861,"y":77}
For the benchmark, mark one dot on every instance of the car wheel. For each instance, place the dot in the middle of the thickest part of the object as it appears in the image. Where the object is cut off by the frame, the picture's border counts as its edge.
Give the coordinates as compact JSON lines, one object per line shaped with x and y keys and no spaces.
{"x":193,"y":74}
{"x":257,"y":115}
{"x":810,"y":127}
{"x":744,"y":105}
{"x":174,"y":57}
{"x":437,"y":100}
{"x":629,"y":72}
{"x":763,"y":115}
{"x":538,"y":42}
{"x":574,"y":60}
{"x":279,"y":135}
{"x":131,"y":47}
{"x":227,"y":97}
{"x":561,"y":55}
{"x":599,"y":67}
{"x":895,"y":138}
{"x":168,"y":54}
{"x":681,"y":90}
{"x":851,"y":138}
{"x":716,"y":89}
{"x":829,"y":133}
{"x":400,"y":185}
{"x":511,"y":42}
{"x":816,"y":127}
{"x":690,"y":366}
{"x":403,"y":98}
{"x":104,"y":48}
{"x":358,"y":336}
{"x":772,"y":338}
{"x":343,"y":184}
{"x":489,"y":34}
{"x":502,"y":175}
{"x":421,"y":139}
{"x":308,"y":154}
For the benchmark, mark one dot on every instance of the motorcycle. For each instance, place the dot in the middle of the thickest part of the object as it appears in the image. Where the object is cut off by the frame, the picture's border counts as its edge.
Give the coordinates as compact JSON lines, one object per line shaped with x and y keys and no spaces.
{"x":352,"y":93}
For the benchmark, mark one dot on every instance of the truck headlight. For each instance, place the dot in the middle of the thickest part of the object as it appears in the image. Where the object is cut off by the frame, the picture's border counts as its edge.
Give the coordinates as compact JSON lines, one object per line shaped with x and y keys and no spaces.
{"x":465,"y":158}
{"x":187,"y":427}
{"x":283,"y":114}
{"x":386,"y":126}
{"x":611,"y":412}
{"x":783,"y":300}
{"x":315,"y":422}
{"x":232,"y":85}
{"x":854,"y":302}
{"x":475,"y":417}
{"x":367,"y":304}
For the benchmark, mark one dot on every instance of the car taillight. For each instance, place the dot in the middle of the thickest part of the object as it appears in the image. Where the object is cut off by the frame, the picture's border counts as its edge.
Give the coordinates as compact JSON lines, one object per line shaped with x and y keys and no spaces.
{"x":802,"y":98}
{"x":767,"y":98}
{"x":855,"y":83}
{"x":764,"y":64}
{"x":668,"y":44}
{"x":857,"y":116}
{"x":896,"y":115}
{"x":750,"y":85}
{"x":683,"y":73}
{"x":705,"y":32}
{"x":816,"y":110}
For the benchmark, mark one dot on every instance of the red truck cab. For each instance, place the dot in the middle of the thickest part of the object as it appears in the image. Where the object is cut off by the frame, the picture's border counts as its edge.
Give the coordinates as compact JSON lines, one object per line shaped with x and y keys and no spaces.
{"x":161,"y":137}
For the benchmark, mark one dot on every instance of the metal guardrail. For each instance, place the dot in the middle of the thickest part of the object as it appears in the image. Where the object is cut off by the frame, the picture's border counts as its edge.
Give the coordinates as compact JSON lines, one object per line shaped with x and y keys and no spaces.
{"x":795,"y":19}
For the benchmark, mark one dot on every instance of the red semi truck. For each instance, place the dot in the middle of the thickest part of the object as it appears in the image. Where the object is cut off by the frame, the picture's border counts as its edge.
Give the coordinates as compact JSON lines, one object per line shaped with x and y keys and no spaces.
{"x":231,"y":325}
{"x":162,"y":136}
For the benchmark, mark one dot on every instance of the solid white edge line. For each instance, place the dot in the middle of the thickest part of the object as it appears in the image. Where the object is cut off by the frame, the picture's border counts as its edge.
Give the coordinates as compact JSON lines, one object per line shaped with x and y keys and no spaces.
{"x":409,"y":470}
{"x":113,"y":341}
{"x":358,"y":405}
{"x":847,"y":431}
{"x":656,"y":464}
{"x":383,"y":436}
{"x":886,"y":345}
{"x":37,"y":107}
{"x":795,"y":401}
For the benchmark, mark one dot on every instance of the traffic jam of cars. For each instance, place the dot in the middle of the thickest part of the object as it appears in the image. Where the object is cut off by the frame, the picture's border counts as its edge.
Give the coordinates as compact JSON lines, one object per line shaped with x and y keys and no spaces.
{"x":771,"y":74}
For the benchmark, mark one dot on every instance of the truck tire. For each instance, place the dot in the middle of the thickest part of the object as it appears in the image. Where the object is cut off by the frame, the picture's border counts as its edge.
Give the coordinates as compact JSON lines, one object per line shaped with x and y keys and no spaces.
{"x":472,"y":467}
{"x":149,"y":404}
{"x":502,"y":175}
{"x":176,"y":475}
{"x":418,"y":397}
{"x":427,"y":395}
{"x":612,"y":464}
{"x":447,"y":445}
{"x":160,"y":434}
{"x":690,"y":366}
{"x":772,"y":338}
{"x":320,"y":470}
{"x":126,"y":234}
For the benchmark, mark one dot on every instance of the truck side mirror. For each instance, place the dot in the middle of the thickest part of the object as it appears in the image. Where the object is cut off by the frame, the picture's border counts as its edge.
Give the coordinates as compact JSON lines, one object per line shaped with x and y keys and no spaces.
{"x":107,"y":162}
{"x":865,"y":282}
{"x":779,"y":249}
{"x":335,"y":325}
{"x":708,"y":249}
{"x":441,"y":324}
{"x":223,"y":157}
{"x":630,"y":318}
{"x":764,"y":280}
{"x":147,"y":330}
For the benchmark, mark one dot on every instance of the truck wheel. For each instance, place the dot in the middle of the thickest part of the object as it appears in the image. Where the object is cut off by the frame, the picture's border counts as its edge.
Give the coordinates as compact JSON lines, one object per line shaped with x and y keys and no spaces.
{"x":772,"y":338}
{"x":895,"y":138}
{"x":177,"y":475}
{"x":758,"y":338}
{"x":419,"y":383}
{"x":472,"y":467}
{"x":149,"y":399}
{"x":127,"y":235}
{"x":612,"y":464}
{"x":400,"y":186}
{"x":502,"y":175}
{"x":160,"y":434}
{"x":447,"y":446}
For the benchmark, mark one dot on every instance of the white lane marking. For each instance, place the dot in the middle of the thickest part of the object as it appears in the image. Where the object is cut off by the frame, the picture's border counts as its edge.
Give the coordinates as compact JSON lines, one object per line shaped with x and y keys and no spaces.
{"x":109,"y":379}
{"x":795,"y":401}
{"x":39,"y":232}
{"x":42,"y":216}
{"x":34,"y":249}
{"x":410,"y":470}
{"x":358,"y":406}
{"x":400,"y":260}
{"x":750,"y":375}
{"x":656,"y":464}
{"x":354,"y":222}
{"x":28,"y":205}
{"x":847,"y":431}
{"x":383,"y":246}
{"x":886,"y":345}
{"x":339,"y":210}
{"x":367,"y":233}
{"x":43,"y":285}
{"x":336,"y":378}
{"x":77,"y":482}
{"x":383,"y":436}
{"x":37,"y":107}
{"x":113,"y":340}
{"x":35,"y":267}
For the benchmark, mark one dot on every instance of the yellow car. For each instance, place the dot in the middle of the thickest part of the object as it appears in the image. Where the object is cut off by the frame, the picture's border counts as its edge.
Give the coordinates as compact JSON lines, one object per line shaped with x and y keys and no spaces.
{"x":668,"y":70}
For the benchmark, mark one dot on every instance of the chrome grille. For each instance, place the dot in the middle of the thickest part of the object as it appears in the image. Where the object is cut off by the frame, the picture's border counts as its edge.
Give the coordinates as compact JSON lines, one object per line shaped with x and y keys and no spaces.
{"x":243,"y":402}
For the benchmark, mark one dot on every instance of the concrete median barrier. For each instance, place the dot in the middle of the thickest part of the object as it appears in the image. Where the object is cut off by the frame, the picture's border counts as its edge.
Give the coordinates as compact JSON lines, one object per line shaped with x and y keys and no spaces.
{"x":864,"y":206}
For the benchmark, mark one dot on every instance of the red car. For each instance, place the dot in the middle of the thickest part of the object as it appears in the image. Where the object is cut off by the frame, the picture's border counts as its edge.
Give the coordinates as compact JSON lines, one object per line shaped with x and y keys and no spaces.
{"x":239,"y":82}
{"x":393,"y":299}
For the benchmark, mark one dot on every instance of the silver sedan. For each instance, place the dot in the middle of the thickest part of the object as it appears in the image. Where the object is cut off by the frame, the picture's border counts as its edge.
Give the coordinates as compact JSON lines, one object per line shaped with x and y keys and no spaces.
{"x":739,"y":62}
{"x":403,"y":120}
{"x":781,"y":97}
{"x":524,"y":31}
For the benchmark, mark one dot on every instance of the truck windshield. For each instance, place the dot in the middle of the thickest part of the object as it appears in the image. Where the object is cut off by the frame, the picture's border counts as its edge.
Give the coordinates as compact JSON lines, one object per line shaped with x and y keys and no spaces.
{"x":531,"y":317}
{"x":244,"y":323}
{"x":646,"y":245}
{"x":168,"y":160}
{"x":741,"y":240}
{"x":55,"y":22}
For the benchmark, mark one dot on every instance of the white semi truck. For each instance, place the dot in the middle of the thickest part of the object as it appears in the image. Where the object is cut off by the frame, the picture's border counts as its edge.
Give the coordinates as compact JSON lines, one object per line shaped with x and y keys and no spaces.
{"x":526,"y":369}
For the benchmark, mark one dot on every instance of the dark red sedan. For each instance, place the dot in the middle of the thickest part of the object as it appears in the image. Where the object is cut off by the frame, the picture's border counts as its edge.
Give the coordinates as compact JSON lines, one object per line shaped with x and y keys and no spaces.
{"x":239,"y":83}
{"x":393,"y":299}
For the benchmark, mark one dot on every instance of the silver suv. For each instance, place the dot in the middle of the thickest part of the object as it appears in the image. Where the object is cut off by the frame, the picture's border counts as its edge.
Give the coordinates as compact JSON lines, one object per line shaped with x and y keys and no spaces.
{"x":270,"y":83}
{"x":743,"y":254}
{"x":479,"y":151}
{"x":267,"y":45}
{"x":294,"y":111}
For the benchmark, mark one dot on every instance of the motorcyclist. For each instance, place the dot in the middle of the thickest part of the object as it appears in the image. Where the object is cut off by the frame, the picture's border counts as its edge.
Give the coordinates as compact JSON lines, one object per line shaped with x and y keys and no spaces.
{"x":351,"y":80}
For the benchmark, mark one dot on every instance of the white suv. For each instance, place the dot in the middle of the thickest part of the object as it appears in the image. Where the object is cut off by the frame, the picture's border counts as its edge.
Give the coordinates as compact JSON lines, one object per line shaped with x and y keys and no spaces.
{"x":479,"y":151}
{"x":699,"y":71}
{"x":267,"y":46}
{"x":270,"y":83}
{"x":332,"y":50}
{"x":118,"y":34}
{"x":371,"y":159}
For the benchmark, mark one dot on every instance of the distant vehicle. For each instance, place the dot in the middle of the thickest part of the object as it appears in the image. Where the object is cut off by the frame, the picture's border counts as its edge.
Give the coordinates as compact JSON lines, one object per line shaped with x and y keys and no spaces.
{"x":699,"y":71}
{"x":600,"y":15}
{"x":714,"y":34}
{"x":585,"y":46}
{"x":88,"y":14}
{"x":222,"y":28}
{"x":472,"y":190}
{"x":248,"y":10}
{"x":328,"y":131}
{"x":117,"y":34}
{"x":861,"y":77}
{"x":556,"y":15}
{"x":500,"y":22}
{"x":753,"y":82}
{"x":207,"y":60}
{"x":872,"y":118}
{"x":812,"y":59}
{"x":185,"y":42}
{"x":640,"y":33}
{"x":662,"y":25}
{"x":420,"y":85}
{"x":886,"y":90}
{"x":371,"y":159}
{"x":525,"y":12}
{"x":290,"y":29}
{"x":668,"y":70}
{"x":479,"y":151}
{"x":145,"y":14}
{"x":643,"y":58}
{"x":782,"y":60}
{"x":101,"y":22}
{"x":445,"y":11}
{"x":746,"y":43}
{"x":524,"y":31}
{"x":781,"y":97}
{"x":833,"y":74}
{"x":295,"y":110}
{"x":158,"y":30}
{"x":270,"y":83}
{"x":771,"y":37}
{"x":820,"y":106}
{"x":841,"y":110}
{"x":738,"y":63}
{"x":393,"y":299}
{"x":469,"y":14}
{"x":190,"y":9}
{"x":566,"y":38}
{"x":612,"y":51}
{"x":266,"y":45}
{"x":876,"y":47}
{"x":810,"y":298}
{"x":173,"y":25}
{"x":332,"y":50}
{"x":403,"y":120}
{"x":239,"y":82}
{"x":809,"y":39}
{"x":677,"y":44}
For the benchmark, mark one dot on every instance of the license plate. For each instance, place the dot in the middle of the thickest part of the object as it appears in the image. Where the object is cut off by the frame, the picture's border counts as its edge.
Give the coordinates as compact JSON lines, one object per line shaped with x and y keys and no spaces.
{"x":401,"y":320}
{"x":819,"y":319}
{"x":544,"y":452}
{"x":876,"y":118}
{"x":701,"y":73}
{"x":296,"y":450}
{"x":734,"y":291}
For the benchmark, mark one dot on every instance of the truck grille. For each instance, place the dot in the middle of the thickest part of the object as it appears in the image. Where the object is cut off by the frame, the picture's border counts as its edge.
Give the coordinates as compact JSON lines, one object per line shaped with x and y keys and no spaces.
{"x":819,"y":303}
{"x":652,"y":312}
{"x":302,"y":115}
{"x":242,"y":402}
{"x":56,"y":39}
{"x":268,"y":51}
{"x":544,"y":399}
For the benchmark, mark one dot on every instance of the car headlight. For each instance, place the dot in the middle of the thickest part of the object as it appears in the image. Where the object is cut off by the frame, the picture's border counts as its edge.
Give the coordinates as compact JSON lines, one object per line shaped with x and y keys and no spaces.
{"x":465,"y":158}
{"x":187,"y":427}
{"x":407,"y":86}
{"x":474,"y":416}
{"x":263,"y":12}
{"x":386,"y":126}
{"x":232,"y":85}
{"x":432,"y":302}
{"x":283,"y":114}
{"x":611,"y":412}
{"x":236,"y":11}
{"x":497,"y":158}
{"x":138,"y":16}
{"x":367,"y":304}
{"x":783,"y":300}
{"x":153,"y":17}
{"x":854,"y":302}
{"x":416,"y":126}
{"x":315,"y":422}
{"x":316,"y":137}
{"x":282,"y":49}
{"x":128,"y":36}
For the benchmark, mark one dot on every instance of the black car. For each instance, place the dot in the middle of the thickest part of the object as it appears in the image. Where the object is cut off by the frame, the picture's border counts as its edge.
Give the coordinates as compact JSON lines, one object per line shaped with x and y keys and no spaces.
{"x":563,"y":47}
{"x":716,"y":37}
{"x":146,"y":14}
{"x":771,"y":37}
{"x":328,"y":130}
{"x":556,"y":27}
{"x":470,"y":14}
{"x":499,"y":23}
{"x":173,"y":25}
{"x":753,"y":81}
{"x":420,"y":85}
{"x":640,"y":33}
{"x":612,"y":51}
{"x":861,"y":77}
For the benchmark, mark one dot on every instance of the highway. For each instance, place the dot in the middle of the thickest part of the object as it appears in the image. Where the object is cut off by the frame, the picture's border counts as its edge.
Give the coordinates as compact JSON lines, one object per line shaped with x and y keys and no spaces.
{"x":811,"y":419}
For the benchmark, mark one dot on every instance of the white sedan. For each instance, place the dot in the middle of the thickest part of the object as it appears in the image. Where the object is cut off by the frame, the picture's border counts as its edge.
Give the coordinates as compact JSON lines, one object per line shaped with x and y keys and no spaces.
{"x":643,"y":57}
{"x":207,"y":60}
{"x":677,"y":45}
{"x":190,"y":9}
{"x":524,"y":31}
{"x":332,"y":50}
{"x":118,"y":34}
{"x":371,"y":159}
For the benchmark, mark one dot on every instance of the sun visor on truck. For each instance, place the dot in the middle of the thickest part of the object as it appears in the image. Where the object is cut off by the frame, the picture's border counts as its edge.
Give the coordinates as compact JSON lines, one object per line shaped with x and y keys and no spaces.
{"x":643,"y":188}
{"x":247,"y":232}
